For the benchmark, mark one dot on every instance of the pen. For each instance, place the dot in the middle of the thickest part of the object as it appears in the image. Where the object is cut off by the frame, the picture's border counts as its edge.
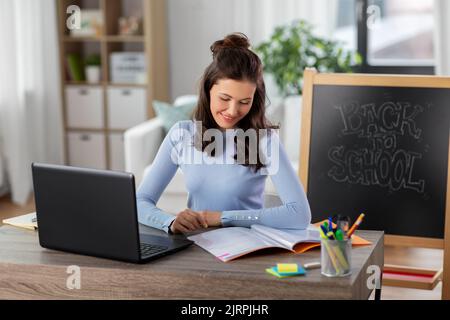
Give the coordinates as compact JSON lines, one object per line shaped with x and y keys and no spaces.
{"x":324,"y":229}
{"x":341,"y":257}
{"x":330,"y":235}
{"x":330,"y":224}
{"x":327,"y":234}
{"x":355,"y":225}
{"x":342,"y":224}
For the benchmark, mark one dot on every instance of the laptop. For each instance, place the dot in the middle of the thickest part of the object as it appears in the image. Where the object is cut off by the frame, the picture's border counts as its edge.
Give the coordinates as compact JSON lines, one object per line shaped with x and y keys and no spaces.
{"x":93,"y":212}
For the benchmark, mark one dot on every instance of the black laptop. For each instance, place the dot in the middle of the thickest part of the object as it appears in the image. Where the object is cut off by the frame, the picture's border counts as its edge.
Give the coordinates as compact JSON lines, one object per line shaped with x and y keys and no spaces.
{"x":93,"y":212}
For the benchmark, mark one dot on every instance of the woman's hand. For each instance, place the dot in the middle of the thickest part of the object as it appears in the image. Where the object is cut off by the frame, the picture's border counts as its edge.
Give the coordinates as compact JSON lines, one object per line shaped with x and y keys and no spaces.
{"x":213,"y":218}
{"x":189,"y":220}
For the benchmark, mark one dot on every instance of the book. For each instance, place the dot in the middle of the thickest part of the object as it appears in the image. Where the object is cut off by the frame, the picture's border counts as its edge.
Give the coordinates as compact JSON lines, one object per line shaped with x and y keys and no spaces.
{"x":27,"y":221}
{"x":75,"y":67}
{"x":233,"y":242}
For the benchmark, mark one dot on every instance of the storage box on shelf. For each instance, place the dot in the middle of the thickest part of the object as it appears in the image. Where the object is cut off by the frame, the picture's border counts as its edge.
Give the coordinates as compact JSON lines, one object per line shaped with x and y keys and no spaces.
{"x":128,"y":67}
{"x":127,"y":107}
{"x":86,"y":149}
{"x":84,"y":107}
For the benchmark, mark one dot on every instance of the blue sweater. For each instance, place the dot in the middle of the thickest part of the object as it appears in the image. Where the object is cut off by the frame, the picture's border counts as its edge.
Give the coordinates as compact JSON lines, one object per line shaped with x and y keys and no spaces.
{"x":235,"y":190}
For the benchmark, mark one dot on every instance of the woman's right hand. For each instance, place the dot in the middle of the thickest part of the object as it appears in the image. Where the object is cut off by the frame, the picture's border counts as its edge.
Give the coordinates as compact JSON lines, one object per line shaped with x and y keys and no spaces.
{"x":188,"y":220}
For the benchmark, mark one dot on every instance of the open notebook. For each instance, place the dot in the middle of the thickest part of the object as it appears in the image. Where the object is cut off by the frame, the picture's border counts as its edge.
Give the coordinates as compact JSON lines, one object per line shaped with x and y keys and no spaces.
{"x":233,"y":242}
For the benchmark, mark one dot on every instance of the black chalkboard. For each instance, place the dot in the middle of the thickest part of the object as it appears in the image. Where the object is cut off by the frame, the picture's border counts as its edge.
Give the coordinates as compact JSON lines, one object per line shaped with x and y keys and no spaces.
{"x":382,"y":151}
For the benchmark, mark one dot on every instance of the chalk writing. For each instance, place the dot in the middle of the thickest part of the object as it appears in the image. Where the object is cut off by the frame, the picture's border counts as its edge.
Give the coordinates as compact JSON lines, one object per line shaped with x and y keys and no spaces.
{"x":378,"y":158}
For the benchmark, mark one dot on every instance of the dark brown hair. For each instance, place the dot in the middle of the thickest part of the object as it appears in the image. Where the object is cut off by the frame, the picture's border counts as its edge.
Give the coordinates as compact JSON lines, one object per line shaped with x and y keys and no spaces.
{"x":233,"y":59}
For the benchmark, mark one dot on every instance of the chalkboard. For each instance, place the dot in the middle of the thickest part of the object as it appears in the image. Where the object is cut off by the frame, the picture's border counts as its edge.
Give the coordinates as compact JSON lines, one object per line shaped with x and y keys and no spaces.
{"x":379,"y":149}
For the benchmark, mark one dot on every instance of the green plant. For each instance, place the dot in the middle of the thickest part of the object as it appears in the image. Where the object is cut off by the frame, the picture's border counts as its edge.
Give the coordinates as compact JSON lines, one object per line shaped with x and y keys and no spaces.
{"x":293,"y":47}
{"x":92,"y":60}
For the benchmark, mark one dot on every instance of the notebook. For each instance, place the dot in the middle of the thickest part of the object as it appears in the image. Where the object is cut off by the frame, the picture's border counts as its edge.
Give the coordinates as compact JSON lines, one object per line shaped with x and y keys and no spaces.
{"x":27,"y":221}
{"x":233,"y":242}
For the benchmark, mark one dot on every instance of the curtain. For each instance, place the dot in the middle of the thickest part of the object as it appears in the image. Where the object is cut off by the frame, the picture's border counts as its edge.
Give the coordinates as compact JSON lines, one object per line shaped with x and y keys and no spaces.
{"x":442,"y":36}
{"x":3,"y":188}
{"x":30,"y":106}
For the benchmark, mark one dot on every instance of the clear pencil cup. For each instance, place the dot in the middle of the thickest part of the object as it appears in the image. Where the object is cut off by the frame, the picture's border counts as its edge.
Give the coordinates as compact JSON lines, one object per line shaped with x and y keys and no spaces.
{"x":336,"y":257}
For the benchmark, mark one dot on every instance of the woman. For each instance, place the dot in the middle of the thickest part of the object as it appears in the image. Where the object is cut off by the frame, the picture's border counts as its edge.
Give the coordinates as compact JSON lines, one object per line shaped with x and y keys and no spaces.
{"x":226,"y":187}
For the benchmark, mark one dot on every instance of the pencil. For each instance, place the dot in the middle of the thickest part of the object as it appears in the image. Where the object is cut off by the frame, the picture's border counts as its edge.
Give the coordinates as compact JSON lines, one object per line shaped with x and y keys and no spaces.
{"x":355,"y":225}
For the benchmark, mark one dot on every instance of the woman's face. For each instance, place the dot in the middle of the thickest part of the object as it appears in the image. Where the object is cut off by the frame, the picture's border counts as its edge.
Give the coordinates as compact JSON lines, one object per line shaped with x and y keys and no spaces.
{"x":231,"y":100}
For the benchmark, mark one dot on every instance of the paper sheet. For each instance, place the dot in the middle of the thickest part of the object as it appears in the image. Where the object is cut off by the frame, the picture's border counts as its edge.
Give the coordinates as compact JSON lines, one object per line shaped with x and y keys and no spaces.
{"x":25,"y":221}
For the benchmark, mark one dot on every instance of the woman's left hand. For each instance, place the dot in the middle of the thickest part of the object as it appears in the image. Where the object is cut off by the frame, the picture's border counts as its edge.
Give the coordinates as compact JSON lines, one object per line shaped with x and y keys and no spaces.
{"x":213,"y":218}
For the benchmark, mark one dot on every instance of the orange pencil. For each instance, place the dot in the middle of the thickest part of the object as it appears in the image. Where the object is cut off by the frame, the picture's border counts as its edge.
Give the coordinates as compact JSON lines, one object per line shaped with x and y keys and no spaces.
{"x":355,"y":225}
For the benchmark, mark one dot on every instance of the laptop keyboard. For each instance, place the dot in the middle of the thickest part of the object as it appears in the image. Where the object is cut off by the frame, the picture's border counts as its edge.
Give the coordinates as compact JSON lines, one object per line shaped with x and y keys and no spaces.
{"x":151,"y":249}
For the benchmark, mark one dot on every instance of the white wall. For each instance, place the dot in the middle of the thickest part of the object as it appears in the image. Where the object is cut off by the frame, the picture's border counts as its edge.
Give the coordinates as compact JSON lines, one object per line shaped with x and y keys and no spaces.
{"x":192,"y":28}
{"x":195,"y":24}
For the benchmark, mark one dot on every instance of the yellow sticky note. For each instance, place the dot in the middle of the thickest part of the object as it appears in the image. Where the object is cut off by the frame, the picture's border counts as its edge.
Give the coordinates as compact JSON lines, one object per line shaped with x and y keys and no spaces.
{"x":272,"y":272}
{"x":287,"y":267}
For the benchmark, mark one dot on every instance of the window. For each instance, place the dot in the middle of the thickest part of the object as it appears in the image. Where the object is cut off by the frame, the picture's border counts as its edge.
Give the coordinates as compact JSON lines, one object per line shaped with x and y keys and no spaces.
{"x":392,"y":36}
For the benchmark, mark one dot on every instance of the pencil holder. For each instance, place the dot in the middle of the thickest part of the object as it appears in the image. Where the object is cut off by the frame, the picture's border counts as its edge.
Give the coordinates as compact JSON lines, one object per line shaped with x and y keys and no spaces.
{"x":336,"y":257}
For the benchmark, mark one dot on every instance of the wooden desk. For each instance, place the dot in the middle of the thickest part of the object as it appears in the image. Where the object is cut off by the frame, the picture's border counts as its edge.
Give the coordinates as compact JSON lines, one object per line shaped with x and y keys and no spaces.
{"x":28,"y":271}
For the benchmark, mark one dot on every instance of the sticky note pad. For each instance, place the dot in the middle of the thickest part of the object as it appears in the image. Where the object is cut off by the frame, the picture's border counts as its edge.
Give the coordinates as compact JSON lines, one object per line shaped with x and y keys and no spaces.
{"x":273,"y":271}
{"x":287,"y":267}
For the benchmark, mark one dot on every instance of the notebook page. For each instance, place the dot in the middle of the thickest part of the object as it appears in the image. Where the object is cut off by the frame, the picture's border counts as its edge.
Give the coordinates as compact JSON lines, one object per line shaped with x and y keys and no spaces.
{"x":231,"y":242}
{"x":289,"y":237}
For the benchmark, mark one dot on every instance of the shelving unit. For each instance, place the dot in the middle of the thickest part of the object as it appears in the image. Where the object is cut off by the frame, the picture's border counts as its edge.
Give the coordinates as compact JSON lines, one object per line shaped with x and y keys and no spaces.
{"x":95,"y":115}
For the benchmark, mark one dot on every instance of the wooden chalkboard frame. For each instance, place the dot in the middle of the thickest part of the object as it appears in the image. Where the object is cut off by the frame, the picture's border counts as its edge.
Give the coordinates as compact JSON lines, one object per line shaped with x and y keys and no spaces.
{"x":312,"y":78}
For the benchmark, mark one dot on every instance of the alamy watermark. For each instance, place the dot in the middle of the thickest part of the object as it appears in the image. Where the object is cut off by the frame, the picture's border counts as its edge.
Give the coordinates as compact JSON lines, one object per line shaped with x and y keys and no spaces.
{"x":374,"y":279}
{"x":74,"y":279}
{"x":373,"y":16}
{"x":74,"y":20}
{"x":229,"y":146}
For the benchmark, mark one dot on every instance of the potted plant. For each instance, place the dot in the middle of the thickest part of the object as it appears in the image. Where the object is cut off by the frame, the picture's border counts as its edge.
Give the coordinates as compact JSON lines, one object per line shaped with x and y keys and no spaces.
{"x":92,"y":68}
{"x":291,"y":49}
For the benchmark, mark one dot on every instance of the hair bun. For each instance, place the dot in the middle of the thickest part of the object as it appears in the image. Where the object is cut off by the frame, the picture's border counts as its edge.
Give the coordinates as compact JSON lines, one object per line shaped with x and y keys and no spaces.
{"x":234,"y":40}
